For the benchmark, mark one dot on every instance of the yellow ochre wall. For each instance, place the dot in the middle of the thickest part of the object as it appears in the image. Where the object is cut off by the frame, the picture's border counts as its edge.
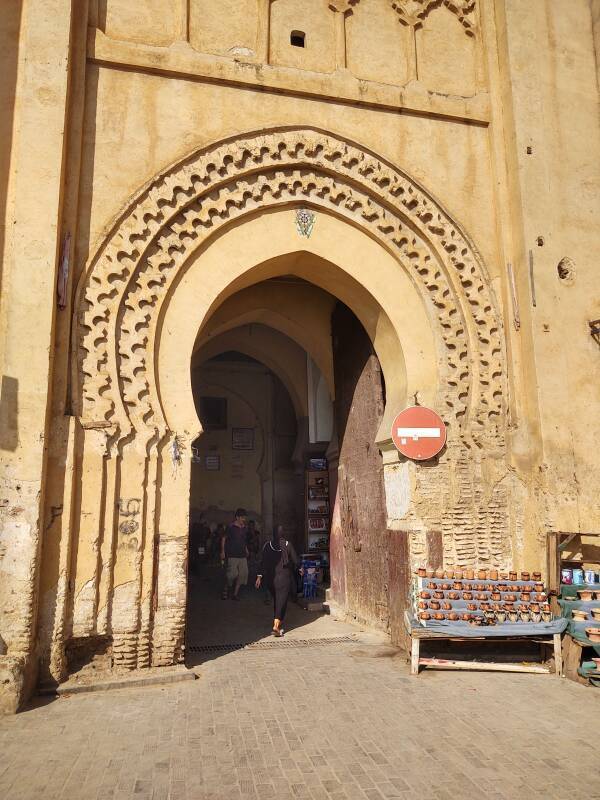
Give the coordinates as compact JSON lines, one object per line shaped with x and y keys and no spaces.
{"x":489,"y":110}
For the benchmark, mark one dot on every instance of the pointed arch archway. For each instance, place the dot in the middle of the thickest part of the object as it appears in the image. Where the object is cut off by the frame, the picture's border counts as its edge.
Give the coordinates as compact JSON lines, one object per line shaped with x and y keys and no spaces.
{"x":401,"y":262}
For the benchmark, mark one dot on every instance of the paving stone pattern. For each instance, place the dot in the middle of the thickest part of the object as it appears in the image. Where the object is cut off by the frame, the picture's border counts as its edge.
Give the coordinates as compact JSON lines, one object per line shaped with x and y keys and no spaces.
{"x":322,"y":723}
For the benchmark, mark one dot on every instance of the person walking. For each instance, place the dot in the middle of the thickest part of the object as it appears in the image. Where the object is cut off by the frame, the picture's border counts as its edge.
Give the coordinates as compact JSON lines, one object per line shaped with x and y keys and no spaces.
{"x":278,"y":564}
{"x":234,"y":554}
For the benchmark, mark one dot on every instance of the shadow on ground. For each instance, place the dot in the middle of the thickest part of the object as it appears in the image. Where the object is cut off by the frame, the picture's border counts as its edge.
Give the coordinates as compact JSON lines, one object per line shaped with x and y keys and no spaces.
{"x":216,"y":626}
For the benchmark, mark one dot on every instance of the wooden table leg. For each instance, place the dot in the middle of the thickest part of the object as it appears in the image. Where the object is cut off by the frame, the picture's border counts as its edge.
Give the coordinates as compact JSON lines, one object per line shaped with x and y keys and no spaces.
{"x":558,"y":664}
{"x":414,"y":656}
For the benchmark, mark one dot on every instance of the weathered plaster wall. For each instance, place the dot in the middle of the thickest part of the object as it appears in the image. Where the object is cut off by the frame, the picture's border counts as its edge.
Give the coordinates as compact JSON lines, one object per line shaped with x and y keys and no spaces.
{"x":451,"y":93}
{"x":550,"y":93}
{"x":27,"y":304}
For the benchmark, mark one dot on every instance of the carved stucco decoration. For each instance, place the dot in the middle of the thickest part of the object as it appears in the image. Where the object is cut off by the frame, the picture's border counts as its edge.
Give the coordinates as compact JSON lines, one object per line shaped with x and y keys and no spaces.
{"x":414,"y":12}
{"x":132,"y":272}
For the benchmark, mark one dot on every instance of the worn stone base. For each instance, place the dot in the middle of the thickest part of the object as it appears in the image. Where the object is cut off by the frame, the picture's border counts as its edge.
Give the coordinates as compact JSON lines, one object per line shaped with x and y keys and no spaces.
{"x":12,"y":684}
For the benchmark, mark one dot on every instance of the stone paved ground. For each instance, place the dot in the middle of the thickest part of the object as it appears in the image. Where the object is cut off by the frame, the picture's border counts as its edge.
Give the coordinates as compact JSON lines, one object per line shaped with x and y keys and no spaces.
{"x":323,"y":723}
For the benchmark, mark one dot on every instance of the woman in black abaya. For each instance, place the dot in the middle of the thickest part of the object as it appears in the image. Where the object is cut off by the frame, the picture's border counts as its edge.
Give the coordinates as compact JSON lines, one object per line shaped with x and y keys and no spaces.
{"x":277,"y":570}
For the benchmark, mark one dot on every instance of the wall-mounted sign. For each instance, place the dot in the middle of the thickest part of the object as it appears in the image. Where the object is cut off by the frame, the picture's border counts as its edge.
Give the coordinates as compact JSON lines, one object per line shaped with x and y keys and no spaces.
{"x":242,"y":438}
{"x":212,"y":462}
{"x":419,"y":433}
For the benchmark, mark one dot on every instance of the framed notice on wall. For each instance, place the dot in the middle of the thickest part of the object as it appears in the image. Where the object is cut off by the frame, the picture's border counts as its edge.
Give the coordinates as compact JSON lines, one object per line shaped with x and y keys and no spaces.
{"x":242,"y":438}
{"x":212,"y":462}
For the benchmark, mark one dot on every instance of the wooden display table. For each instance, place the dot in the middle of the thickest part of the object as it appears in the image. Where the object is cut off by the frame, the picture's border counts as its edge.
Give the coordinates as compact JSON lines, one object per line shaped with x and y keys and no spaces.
{"x":419,"y":633}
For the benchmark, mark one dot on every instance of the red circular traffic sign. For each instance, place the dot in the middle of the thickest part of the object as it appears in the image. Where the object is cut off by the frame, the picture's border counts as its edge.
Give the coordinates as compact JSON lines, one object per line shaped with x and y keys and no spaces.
{"x":419,"y":433}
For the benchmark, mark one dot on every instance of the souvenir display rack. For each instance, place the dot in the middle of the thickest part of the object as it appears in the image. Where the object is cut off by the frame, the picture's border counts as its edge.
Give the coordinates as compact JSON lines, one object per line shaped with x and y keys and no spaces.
{"x":465,"y":604}
{"x":318,"y":511}
{"x":574,"y":566}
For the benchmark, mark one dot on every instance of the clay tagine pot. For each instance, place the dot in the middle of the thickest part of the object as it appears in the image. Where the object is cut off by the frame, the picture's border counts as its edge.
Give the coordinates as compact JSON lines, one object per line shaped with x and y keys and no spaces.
{"x":512,"y":576}
{"x":424,"y":615}
{"x":525,"y":596}
{"x":535,"y":606}
{"x":513,"y":615}
{"x":585,"y":594}
{"x":439,"y":615}
{"x":438,"y":595}
{"x":430,"y":572}
{"x":481,"y":596}
{"x":421,"y":572}
{"x":524,"y":615}
{"x":525,"y":576}
{"x":424,"y":595}
{"x":490,"y":587}
{"x":454,"y":595}
{"x":546,"y":616}
{"x":579,"y":615}
{"x":504,"y":576}
{"x":596,"y":614}
{"x":465,"y":617}
{"x":593,"y":635}
{"x":536,"y":576}
{"x":458,"y":574}
{"x":447,"y":606}
{"x":439,"y":573}
{"x":496,"y":596}
{"x":501,"y":587}
{"x":493,"y":574}
{"x":422,"y":604}
{"x":469,"y":574}
{"x":500,"y":617}
{"x":453,"y":616}
{"x":457,"y":585}
{"x":467,"y":595}
{"x":446,"y":586}
{"x":449,"y":573}
{"x":472,"y":606}
{"x":482,"y":574}
{"x":432,"y":585}
{"x":510,"y":598}
{"x":435,"y":604}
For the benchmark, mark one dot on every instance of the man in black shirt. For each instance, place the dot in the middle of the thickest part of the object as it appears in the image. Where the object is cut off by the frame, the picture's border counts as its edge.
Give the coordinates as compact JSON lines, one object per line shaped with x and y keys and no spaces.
{"x":234,"y":550}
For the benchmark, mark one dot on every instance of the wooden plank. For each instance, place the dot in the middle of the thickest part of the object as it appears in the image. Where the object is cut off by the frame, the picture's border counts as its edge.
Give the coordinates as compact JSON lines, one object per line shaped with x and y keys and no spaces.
{"x":558,"y":665}
{"x":492,"y":666}
{"x":414,"y":657}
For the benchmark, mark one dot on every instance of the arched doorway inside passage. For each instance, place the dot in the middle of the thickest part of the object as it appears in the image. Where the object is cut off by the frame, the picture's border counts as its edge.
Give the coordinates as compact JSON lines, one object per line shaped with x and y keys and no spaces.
{"x":311,"y":424}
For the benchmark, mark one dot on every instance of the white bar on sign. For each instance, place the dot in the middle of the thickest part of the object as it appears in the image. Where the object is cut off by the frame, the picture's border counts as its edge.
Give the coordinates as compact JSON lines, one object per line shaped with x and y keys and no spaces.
{"x":419,"y":433}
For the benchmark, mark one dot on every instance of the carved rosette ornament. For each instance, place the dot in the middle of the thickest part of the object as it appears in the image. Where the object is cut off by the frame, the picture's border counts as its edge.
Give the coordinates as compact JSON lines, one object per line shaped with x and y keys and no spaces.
{"x":131,"y":275}
{"x":414,"y":12}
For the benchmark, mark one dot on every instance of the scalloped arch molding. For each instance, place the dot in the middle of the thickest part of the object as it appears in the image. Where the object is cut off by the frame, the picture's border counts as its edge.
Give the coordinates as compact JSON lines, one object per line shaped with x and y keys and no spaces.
{"x":133,"y":271}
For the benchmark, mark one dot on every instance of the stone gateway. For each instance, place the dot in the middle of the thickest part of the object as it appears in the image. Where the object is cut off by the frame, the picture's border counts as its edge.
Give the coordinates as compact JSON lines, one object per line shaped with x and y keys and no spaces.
{"x":239,"y":235}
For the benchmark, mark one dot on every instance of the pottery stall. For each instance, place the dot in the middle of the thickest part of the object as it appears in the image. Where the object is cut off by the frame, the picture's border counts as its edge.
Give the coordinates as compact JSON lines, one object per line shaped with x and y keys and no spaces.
{"x":580,"y":605}
{"x":458,"y":605}
{"x":574,"y":580}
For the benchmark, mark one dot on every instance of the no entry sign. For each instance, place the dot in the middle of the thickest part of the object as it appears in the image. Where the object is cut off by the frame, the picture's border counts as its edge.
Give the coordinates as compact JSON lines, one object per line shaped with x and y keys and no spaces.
{"x":419,"y":433}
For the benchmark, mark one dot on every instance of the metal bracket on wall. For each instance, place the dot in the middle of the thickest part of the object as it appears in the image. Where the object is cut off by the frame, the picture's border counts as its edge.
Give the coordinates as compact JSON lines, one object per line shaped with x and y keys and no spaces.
{"x":532,"y":279}
{"x":513,"y":294}
{"x":595,"y":329}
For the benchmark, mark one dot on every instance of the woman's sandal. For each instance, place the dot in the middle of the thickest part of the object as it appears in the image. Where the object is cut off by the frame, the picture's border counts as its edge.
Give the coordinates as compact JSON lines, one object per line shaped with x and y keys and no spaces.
{"x":277,"y":632}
